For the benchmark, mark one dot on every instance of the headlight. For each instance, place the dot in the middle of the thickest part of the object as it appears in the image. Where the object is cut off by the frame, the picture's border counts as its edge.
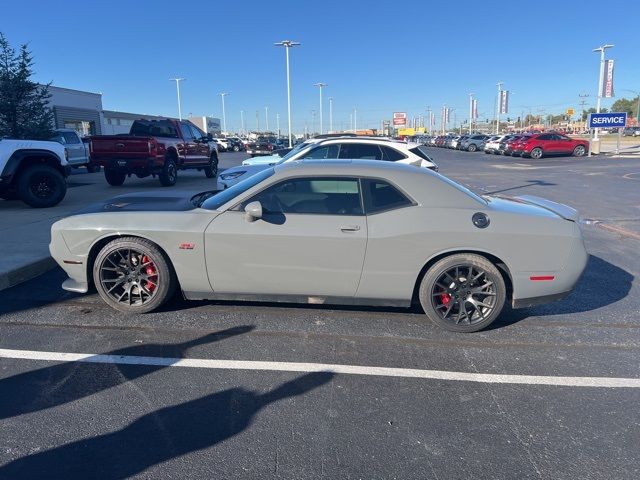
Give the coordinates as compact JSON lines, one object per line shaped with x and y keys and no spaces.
{"x":232,"y":175}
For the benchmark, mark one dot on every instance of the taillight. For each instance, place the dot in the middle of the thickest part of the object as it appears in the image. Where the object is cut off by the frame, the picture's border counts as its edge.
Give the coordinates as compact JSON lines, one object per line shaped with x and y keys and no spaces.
{"x":153,"y":146}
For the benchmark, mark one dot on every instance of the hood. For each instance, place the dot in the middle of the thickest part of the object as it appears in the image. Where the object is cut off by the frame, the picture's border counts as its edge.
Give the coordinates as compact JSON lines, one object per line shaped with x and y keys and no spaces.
{"x":248,"y":169}
{"x":532,"y":205}
{"x":265,"y":160}
{"x":158,"y":201}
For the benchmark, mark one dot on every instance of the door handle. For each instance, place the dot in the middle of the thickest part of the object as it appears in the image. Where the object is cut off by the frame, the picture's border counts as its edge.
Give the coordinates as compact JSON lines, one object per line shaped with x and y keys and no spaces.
{"x":350,"y":228}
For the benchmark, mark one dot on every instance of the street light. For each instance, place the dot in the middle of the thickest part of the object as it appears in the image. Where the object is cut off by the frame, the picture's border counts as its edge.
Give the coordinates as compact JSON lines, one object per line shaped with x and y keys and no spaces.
{"x":320,"y":86}
{"x":178,"y":80}
{"x":224,"y":115}
{"x":600,"y":80}
{"x":242,"y":122}
{"x":266,"y":118}
{"x":330,"y":114}
{"x":498,"y":105}
{"x":287,"y":44}
{"x":471,"y":111}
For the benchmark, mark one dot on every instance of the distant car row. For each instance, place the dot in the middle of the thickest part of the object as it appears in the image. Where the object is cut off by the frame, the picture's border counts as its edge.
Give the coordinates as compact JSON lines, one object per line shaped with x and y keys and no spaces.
{"x":535,"y":145}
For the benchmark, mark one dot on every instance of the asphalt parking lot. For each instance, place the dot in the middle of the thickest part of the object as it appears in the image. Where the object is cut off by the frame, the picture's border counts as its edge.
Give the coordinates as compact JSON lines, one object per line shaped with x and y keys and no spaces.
{"x":271,"y":390}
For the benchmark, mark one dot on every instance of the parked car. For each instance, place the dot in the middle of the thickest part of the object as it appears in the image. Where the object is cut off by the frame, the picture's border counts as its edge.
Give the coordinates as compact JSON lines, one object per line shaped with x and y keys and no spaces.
{"x":510,"y":143}
{"x":33,"y":171}
{"x":261,"y":146}
{"x":77,"y":149}
{"x":537,"y":146}
{"x":457,"y":141}
{"x":235,"y":144}
{"x":370,"y":148}
{"x":155,"y":147}
{"x":473,"y":142}
{"x":357,"y":232}
{"x":449,"y":141}
{"x":631,"y":132}
{"x":492,"y":143}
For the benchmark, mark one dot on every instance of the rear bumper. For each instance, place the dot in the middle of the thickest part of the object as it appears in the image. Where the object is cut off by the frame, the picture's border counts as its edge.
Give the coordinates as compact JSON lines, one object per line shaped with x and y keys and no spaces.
{"x":533,"y":301}
{"x":129,"y":164}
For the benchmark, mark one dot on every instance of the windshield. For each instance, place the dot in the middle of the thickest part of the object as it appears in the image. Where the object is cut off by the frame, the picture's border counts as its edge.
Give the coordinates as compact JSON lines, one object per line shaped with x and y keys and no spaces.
{"x":219,"y":199}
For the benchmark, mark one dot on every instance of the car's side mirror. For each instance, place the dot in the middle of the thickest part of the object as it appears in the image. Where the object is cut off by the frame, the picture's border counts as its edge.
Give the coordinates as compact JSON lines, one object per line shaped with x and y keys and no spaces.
{"x":209,"y":137}
{"x":253,"y":211}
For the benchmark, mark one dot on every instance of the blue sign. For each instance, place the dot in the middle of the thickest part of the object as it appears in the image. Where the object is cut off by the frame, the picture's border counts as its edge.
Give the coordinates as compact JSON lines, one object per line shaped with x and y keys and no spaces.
{"x":608,"y":120}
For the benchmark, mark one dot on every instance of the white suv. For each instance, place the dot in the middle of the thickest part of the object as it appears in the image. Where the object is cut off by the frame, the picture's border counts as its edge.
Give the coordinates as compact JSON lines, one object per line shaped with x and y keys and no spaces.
{"x":352,"y":148}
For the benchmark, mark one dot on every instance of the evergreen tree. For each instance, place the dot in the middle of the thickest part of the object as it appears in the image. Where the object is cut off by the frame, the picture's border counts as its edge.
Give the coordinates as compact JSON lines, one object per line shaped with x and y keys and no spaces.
{"x":24,"y":111}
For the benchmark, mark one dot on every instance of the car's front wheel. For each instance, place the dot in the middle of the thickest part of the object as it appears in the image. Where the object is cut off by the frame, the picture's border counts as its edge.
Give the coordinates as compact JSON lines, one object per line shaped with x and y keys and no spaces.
{"x":536,"y":153}
{"x":462,"y":293}
{"x":211,"y":171}
{"x":579,"y":151}
{"x":472,"y":147}
{"x":41,"y":186}
{"x":132,"y":275}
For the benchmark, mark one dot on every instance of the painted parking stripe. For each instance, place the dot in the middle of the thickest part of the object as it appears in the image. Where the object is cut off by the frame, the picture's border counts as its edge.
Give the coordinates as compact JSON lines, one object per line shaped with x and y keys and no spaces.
{"x":600,"y":382}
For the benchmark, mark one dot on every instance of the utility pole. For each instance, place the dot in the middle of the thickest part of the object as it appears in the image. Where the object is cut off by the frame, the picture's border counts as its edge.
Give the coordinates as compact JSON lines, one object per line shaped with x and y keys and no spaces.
{"x":429,"y":112}
{"x":224,"y":115}
{"x":498,"y":106}
{"x":287,"y":44}
{"x":330,"y":114}
{"x":178,"y":80}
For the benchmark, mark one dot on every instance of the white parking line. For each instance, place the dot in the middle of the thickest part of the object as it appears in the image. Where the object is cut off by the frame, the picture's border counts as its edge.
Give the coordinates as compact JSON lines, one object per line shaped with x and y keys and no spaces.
{"x":601,"y":382}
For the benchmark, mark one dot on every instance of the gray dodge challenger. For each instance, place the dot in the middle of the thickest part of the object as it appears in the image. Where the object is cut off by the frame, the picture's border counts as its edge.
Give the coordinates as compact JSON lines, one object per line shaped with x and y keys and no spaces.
{"x":340,"y":232}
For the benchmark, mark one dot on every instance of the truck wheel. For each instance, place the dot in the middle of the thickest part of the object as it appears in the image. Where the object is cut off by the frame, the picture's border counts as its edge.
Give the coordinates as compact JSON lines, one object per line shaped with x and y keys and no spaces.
{"x":211,"y":171}
{"x":169,"y":175}
{"x":114,"y":177}
{"x":41,"y":186}
{"x":93,"y":168}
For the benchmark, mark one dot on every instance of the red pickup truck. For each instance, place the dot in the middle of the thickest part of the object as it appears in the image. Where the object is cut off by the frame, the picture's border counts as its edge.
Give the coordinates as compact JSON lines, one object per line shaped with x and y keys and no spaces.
{"x":154,"y":147}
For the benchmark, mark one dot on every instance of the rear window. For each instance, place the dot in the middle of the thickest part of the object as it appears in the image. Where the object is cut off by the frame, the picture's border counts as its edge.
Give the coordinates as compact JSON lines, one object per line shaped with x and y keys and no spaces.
{"x":153,"y":128}
{"x":421,"y":151}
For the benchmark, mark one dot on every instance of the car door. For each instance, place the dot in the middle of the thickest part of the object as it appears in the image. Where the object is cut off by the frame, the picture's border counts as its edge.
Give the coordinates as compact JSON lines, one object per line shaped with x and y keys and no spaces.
{"x":190,"y":145}
{"x":75,"y":148}
{"x":564,"y":144}
{"x":310,"y":241}
{"x":202,"y":142}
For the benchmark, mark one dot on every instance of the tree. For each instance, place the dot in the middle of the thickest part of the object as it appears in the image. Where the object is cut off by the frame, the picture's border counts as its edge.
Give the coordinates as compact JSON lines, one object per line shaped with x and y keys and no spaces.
{"x":626,"y":105}
{"x":24,"y":111}
{"x":585,"y":113}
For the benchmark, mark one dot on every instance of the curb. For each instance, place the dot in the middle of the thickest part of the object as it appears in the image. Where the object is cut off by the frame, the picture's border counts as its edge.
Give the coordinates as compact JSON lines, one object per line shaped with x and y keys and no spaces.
{"x":26,"y":272}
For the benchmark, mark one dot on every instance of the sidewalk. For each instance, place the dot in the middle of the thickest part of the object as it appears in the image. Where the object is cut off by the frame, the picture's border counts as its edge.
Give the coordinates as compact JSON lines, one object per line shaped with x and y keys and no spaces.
{"x":25,"y":231}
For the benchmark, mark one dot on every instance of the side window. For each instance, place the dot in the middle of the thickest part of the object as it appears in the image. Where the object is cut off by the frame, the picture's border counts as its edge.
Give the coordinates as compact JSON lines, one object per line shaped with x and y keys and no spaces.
{"x":70,"y":138}
{"x":380,"y":196}
{"x":545,"y":137}
{"x":314,"y":195}
{"x":363,"y":151}
{"x":186,"y":132}
{"x":326,"y":152}
{"x":197,"y":132}
{"x":391,"y":154}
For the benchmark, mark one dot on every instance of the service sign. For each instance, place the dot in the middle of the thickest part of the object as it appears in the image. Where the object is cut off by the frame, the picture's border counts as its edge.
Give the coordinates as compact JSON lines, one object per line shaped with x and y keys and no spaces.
{"x":608,"y":120}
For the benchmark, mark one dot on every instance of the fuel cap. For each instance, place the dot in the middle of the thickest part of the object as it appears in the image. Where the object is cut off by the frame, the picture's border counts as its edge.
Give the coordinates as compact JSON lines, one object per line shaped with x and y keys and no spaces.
{"x":480,"y":220}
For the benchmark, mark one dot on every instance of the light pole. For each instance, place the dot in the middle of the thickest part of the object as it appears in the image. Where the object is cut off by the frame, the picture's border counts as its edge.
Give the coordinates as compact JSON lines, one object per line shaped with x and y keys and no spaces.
{"x":313,"y":122}
{"x":498,"y":105}
{"x":600,"y":80}
{"x":257,"y":120}
{"x":355,"y":120}
{"x":320,"y":86}
{"x":330,"y":114}
{"x":266,"y":118}
{"x":178,"y":80}
{"x":287,"y":44}
{"x":224,"y":114}
{"x":278,"y":124}
{"x":242,"y":121}
{"x":471,"y":112}
{"x":430,"y":123}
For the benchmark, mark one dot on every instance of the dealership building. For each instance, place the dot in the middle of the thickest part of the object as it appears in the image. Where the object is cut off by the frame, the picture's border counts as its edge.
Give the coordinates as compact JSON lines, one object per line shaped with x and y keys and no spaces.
{"x":83,"y":112}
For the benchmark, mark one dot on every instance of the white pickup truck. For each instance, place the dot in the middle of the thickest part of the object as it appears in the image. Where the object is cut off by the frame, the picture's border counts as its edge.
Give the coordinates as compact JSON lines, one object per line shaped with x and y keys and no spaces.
{"x":33,"y":171}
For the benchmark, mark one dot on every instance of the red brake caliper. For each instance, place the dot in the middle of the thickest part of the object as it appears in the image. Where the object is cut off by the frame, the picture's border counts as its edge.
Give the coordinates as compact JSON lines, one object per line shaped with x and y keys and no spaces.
{"x":151,"y":271}
{"x":445,"y":298}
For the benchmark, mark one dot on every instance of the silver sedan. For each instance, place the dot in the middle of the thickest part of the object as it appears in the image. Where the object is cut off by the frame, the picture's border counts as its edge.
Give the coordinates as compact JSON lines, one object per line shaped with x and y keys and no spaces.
{"x":341,"y":232}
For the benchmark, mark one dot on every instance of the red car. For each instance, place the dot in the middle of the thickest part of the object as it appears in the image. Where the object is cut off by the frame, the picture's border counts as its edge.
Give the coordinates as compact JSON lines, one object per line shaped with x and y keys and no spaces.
{"x":537,"y":146}
{"x":511,"y":143}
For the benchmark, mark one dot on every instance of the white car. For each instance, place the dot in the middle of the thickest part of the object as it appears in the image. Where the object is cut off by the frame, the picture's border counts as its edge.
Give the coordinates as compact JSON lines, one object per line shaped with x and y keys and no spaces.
{"x":493,"y":143}
{"x":223,"y":142}
{"x":353,"y":148}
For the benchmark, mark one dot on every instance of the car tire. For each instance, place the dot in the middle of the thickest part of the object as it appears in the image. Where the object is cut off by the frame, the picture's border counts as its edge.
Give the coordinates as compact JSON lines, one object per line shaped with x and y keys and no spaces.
{"x":447,"y":289}
{"x":114,"y":177}
{"x":472,"y":147}
{"x":579,"y":151}
{"x":41,"y":186}
{"x":135,"y":270}
{"x":236,"y":148}
{"x":93,"y":168}
{"x":536,"y":153}
{"x":169,"y":175}
{"x":211,"y":171}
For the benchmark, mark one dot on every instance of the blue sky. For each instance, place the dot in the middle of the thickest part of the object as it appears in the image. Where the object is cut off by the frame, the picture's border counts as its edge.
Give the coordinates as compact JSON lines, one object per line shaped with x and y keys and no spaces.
{"x":375,"y":56}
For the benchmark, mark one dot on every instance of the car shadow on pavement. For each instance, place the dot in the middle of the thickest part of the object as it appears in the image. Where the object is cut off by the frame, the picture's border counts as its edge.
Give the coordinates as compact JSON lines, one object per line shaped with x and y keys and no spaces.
{"x":601,"y":284}
{"x":530,"y":183}
{"x":159,"y":436}
{"x":62,"y":383}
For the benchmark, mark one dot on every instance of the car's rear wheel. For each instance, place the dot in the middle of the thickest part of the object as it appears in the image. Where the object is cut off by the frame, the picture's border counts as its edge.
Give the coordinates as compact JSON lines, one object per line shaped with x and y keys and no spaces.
{"x":114,"y":177}
{"x":462,"y":293}
{"x":132,"y":275}
{"x":472,"y":147}
{"x":211,"y":171}
{"x":536,"y":153}
{"x":169,"y":175}
{"x":41,"y":186}
{"x":579,"y":151}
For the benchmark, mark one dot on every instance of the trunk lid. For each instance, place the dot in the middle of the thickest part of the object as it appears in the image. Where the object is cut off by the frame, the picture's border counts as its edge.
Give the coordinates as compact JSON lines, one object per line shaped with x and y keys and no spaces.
{"x":106,"y":146}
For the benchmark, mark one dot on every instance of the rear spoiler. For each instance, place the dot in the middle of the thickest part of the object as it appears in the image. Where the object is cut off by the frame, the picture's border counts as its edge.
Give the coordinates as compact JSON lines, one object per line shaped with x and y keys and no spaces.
{"x":564,"y":211}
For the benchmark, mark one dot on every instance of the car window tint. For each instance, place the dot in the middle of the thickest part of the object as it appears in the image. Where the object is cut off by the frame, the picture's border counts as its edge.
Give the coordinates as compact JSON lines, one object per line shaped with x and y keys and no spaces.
{"x":545,"y":137}
{"x":363,"y":151}
{"x":70,"y":138}
{"x":313,"y":195}
{"x":328,"y":151}
{"x":380,"y":196}
{"x":391,"y":154}
{"x":153,"y":128}
{"x":186,"y":132}
{"x":197,"y":132}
